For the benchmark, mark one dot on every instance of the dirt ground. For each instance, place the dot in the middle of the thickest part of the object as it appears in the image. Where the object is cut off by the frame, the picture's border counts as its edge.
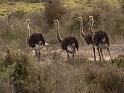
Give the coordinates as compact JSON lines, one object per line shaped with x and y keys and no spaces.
{"x":85,"y":52}
{"x":115,"y":49}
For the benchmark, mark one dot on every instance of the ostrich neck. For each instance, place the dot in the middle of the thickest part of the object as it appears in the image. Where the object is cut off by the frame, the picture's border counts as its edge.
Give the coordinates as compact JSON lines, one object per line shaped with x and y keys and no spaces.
{"x":58,"y":35}
{"x":81,"y":29}
{"x":91,"y":26}
{"x":29,"y":31}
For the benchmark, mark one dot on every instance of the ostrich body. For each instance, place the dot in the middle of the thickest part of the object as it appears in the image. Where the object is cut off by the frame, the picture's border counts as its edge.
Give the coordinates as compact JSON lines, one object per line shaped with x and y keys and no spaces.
{"x":69,"y":44}
{"x":35,"y":41}
{"x":101,"y":40}
{"x":98,"y":39}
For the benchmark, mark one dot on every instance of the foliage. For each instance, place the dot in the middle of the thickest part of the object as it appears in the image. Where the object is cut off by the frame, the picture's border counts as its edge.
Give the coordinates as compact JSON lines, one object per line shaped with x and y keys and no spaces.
{"x":55,"y":75}
{"x":54,"y":10}
{"x":74,"y":76}
{"x":24,"y":74}
{"x":6,"y":9}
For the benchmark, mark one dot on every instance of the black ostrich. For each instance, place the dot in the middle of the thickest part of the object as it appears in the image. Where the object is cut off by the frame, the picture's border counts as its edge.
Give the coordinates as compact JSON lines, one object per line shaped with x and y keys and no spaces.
{"x":69,"y":44}
{"x":35,"y":41}
{"x":98,"y":39}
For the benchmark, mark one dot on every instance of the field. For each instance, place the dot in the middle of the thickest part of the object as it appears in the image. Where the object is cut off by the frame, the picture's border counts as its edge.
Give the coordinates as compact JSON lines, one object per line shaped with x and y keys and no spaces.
{"x":6,"y":9}
{"x":21,"y":73}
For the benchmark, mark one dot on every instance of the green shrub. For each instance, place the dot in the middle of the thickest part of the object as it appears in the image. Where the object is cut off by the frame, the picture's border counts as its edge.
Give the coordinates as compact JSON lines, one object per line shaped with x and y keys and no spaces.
{"x":110,"y":82}
{"x":2,"y":1}
{"x":119,"y":61}
{"x":54,"y":10}
{"x":27,"y":76}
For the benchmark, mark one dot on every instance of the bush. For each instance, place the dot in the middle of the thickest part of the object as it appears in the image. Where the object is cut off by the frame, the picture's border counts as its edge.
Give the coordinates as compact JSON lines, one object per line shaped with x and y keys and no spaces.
{"x":74,"y":76}
{"x":33,"y":1}
{"x":24,"y":74}
{"x":119,"y":60}
{"x":54,"y":10}
{"x":110,"y":82}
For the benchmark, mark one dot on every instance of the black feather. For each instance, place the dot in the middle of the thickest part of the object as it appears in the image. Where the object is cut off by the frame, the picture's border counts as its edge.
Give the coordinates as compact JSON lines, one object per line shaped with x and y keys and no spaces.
{"x":101,"y":37}
{"x":69,"y":41}
{"x":36,"y":38}
{"x":88,"y":39}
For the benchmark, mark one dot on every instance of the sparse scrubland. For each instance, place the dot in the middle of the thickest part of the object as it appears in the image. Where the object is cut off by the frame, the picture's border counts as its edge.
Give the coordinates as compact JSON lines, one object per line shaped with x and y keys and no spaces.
{"x":19,"y":73}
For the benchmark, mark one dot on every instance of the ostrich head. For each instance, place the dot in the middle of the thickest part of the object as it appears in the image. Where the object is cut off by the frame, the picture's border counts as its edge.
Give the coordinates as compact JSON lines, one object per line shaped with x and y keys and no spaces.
{"x":28,"y":21}
{"x":56,"y":20}
{"x":91,"y":18}
{"x":80,"y":18}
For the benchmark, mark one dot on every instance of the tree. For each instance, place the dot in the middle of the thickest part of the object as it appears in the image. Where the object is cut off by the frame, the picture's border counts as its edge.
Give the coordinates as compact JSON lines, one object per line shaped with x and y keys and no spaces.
{"x":54,"y":10}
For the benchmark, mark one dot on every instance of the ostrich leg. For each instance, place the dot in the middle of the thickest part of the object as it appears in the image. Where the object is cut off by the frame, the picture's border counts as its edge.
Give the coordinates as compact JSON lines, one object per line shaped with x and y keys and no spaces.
{"x":109,"y":54}
{"x":37,"y":53}
{"x":99,"y":54}
{"x":94,"y":53}
{"x":67,"y":56}
{"x":73,"y":55}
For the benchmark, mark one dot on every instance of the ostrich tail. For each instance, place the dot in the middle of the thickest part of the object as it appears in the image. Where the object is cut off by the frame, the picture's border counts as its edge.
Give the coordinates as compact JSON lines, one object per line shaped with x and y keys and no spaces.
{"x":47,"y":44}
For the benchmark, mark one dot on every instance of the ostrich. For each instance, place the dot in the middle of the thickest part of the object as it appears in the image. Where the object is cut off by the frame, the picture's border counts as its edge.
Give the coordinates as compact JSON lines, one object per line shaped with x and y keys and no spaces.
{"x":69,"y":44}
{"x":35,"y":40}
{"x":98,"y":39}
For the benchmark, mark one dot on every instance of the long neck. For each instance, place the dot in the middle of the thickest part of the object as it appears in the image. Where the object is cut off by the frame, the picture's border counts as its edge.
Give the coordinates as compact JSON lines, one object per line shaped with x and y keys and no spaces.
{"x":29,"y":30}
{"x":91,"y":26}
{"x":58,"y":35}
{"x":81,"y":29}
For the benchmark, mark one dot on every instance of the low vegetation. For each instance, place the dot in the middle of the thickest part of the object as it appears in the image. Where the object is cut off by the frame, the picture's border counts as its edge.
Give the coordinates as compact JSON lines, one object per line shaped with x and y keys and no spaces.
{"x":7,"y":8}
{"x":19,"y":73}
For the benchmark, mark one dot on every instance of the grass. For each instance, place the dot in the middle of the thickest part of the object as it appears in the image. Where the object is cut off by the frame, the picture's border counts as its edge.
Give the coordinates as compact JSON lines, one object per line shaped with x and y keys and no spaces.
{"x":54,"y":74}
{"x":74,"y":5}
{"x":6,"y":9}
{"x":74,"y":76}
{"x":78,"y":6}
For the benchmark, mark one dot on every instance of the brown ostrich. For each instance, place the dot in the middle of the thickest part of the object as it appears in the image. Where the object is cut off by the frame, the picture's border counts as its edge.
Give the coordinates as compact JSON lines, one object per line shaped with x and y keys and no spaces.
{"x":98,"y":39}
